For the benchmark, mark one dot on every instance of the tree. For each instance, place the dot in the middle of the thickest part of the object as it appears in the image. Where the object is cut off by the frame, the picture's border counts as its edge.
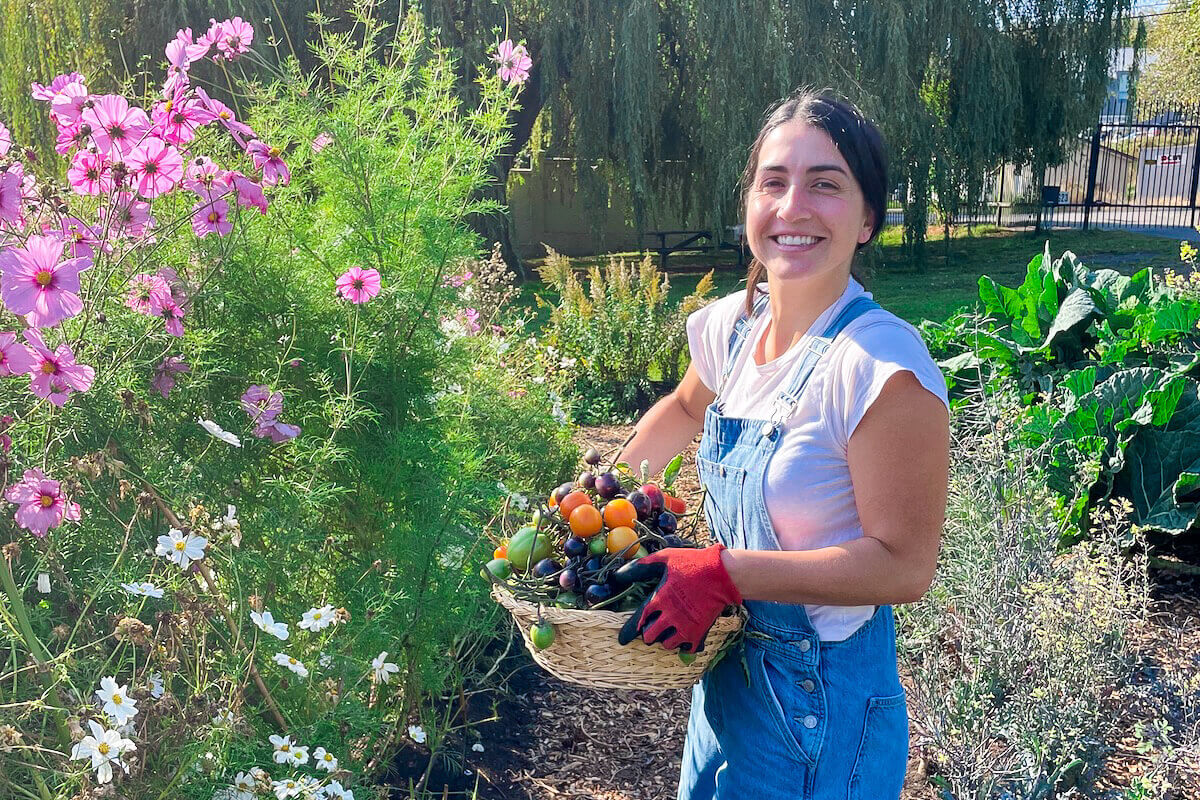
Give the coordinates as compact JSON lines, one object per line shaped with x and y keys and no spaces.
{"x":1175,"y":39}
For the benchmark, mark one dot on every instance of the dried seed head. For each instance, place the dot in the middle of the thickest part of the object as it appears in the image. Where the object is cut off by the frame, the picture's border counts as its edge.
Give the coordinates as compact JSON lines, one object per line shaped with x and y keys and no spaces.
{"x":10,"y":737}
{"x":132,"y":629}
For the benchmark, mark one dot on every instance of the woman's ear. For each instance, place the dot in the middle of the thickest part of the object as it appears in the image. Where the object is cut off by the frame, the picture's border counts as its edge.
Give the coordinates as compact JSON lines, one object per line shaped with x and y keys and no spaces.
{"x":868,"y":228}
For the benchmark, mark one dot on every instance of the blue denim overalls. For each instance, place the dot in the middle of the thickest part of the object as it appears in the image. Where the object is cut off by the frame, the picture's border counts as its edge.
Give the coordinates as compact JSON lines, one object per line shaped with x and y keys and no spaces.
{"x":783,"y":714}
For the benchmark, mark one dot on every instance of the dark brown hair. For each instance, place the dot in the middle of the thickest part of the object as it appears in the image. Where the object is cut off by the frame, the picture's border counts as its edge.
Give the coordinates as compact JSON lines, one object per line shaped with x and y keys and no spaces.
{"x":856,"y":138}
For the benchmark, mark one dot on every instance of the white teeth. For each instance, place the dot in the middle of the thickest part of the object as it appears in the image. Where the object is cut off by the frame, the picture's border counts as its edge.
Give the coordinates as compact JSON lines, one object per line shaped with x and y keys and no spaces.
{"x":796,"y":240}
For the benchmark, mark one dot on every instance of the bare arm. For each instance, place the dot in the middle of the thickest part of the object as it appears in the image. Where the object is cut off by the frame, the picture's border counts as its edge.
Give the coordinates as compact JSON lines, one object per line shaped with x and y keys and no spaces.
{"x":670,"y":425}
{"x":899,"y":464}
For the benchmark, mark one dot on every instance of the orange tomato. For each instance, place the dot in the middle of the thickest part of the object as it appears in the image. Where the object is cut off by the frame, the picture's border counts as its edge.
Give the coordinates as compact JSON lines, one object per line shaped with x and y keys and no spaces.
{"x":571,"y":502}
{"x":500,"y":552}
{"x":674,"y":504}
{"x":619,"y":513}
{"x":552,"y":503}
{"x":585,"y":521}
{"x":620,"y":540}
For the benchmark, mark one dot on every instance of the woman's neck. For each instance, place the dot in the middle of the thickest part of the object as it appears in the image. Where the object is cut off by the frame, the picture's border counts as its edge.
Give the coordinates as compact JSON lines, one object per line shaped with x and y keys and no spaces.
{"x":795,"y":306}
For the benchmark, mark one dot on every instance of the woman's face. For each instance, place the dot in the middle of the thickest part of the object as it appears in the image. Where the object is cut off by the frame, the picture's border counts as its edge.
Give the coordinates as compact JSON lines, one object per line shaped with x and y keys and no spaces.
{"x":805,"y":212}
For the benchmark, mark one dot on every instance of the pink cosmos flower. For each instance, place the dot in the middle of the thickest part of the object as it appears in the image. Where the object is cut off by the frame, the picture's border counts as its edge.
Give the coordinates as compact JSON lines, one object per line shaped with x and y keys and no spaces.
{"x":172,"y":315}
{"x":206,"y":178}
{"x":41,"y":505}
{"x":15,"y":358}
{"x":5,"y":140}
{"x":276,"y":430}
{"x":183,"y":51}
{"x":249,"y":193}
{"x":358,"y":285}
{"x":178,"y":118}
{"x":55,"y":374}
{"x":261,"y":403}
{"x":513,"y":63}
{"x":239,"y":130}
{"x":47,"y":93}
{"x":67,"y":104}
{"x":34,"y":281}
{"x":116,"y":126}
{"x":157,"y":167}
{"x":82,"y":238}
{"x":75,"y":136}
{"x":470,"y":320}
{"x":234,"y":38}
{"x":130,"y":216}
{"x":10,"y":196}
{"x":165,"y":372}
{"x":211,"y":216}
{"x":177,"y":286}
{"x":323,"y":140}
{"x":268,"y":161}
{"x":90,"y":174}
{"x":147,"y":294}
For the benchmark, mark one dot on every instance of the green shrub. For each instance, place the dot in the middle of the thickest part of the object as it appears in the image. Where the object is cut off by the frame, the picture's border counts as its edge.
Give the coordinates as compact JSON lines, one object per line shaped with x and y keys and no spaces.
{"x":409,"y":428}
{"x":1017,"y":652}
{"x":617,"y":345}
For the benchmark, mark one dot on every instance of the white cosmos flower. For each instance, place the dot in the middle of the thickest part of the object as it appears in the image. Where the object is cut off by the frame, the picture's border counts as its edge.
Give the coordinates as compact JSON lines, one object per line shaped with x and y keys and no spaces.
{"x":382,"y":669}
{"x":325,"y":759}
{"x":118,"y":705}
{"x":325,"y":661}
{"x":43,"y":582}
{"x":267,"y":624}
{"x":283,"y":748}
{"x":231,"y":793}
{"x":299,"y":755}
{"x":104,"y":748}
{"x":157,"y":689}
{"x":334,"y":791}
{"x":223,"y":717}
{"x":477,"y":747}
{"x":417,"y":734}
{"x":519,"y":501}
{"x":289,"y":787}
{"x":220,"y":433}
{"x":144,"y":589}
{"x":451,"y":557}
{"x":284,"y":660}
{"x":317,"y":619}
{"x":181,"y":548}
{"x":245,"y":782}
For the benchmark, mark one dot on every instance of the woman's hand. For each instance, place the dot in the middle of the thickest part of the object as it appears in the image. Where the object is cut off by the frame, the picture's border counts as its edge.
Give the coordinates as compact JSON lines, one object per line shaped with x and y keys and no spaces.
{"x":693,"y":589}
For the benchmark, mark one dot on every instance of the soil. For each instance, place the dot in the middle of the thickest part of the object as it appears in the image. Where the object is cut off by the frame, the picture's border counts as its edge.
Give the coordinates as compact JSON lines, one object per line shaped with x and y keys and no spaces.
{"x":545,"y":739}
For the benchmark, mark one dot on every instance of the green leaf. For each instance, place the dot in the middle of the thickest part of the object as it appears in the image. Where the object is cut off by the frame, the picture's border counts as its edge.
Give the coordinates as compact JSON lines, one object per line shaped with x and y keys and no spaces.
{"x":671,"y":472}
{"x":1066,"y":334}
{"x":1177,"y":318}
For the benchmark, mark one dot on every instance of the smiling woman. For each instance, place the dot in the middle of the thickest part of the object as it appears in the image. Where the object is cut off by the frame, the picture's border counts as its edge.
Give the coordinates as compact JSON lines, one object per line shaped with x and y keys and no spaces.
{"x":824,"y":456}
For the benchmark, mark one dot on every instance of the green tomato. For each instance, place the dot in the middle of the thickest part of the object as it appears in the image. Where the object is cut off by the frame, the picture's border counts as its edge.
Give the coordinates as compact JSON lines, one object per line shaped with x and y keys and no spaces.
{"x":500,"y":567}
{"x":567,"y":600}
{"x":529,"y":546}
{"x":541,"y":634}
{"x":597,"y":546}
{"x":686,"y":658}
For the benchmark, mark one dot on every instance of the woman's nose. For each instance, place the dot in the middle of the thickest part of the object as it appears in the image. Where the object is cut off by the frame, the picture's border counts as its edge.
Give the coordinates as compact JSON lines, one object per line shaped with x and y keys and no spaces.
{"x":794,"y":204}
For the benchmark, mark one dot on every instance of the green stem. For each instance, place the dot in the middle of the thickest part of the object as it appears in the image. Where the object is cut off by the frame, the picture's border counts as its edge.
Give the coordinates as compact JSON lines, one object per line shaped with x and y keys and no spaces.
{"x":36,"y":649}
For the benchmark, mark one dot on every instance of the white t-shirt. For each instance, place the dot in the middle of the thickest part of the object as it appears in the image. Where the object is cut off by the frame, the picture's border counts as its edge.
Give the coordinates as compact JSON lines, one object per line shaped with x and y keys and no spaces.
{"x":808,"y":491}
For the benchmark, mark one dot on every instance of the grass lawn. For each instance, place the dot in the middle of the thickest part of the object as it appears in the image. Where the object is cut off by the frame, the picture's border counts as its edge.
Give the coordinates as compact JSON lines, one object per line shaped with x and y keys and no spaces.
{"x":947,"y":281}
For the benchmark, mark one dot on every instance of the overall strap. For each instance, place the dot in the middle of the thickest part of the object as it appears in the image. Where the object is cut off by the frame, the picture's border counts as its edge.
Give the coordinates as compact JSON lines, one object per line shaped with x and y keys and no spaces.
{"x":785,"y":403}
{"x":737,"y":339}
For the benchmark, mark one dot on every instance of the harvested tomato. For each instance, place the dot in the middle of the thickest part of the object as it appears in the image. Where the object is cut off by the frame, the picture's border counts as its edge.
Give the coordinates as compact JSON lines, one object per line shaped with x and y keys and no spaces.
{"x":541,"y":634}
{"x":620,"y":540}
{"x":571,"y":502}
{"x":619,"y":513}
{"x":686,"y":658}
{"x":585,"y":521}
{"x":597,"y":546}
{"x":528,"y":546}
{"x":500,"y":552}
{"x":674,"y":504}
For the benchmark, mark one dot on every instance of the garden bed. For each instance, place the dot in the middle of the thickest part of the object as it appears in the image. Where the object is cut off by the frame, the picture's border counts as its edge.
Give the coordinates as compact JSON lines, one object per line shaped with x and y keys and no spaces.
{"x":548,"y":739}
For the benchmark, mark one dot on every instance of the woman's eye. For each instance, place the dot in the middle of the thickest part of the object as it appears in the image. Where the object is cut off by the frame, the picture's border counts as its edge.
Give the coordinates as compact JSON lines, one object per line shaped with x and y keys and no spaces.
{"x":826,"y":186}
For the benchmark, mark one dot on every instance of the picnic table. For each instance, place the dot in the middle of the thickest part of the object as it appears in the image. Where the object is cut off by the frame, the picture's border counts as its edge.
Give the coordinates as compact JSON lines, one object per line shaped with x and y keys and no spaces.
{"x":691,"y":240}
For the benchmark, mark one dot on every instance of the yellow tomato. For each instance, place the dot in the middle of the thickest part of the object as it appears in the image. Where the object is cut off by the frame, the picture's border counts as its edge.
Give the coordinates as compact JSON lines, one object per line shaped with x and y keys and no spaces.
{"x":620,"y":540}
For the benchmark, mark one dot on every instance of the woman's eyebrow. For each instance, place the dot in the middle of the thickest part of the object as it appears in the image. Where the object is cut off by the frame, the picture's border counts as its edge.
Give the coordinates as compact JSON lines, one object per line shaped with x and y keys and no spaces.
{"x":810,"y":170}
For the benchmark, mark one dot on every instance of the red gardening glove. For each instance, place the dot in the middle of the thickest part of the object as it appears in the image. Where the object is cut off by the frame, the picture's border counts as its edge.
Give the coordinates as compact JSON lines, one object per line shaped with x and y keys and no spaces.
{"x":693,"y":589}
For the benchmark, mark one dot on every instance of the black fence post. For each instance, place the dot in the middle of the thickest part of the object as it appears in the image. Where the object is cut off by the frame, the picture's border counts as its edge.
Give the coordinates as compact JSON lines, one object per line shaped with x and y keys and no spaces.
{"x":1093,"y":162}
{"x":1195,"y":176}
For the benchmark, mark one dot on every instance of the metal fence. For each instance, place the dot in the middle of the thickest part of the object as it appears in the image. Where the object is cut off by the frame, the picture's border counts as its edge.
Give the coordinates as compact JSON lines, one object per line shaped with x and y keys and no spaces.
{"x":1140,"y":172}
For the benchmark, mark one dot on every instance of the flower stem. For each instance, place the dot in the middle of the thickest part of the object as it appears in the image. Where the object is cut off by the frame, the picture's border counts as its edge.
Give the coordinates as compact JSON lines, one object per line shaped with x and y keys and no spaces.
{"x":37,"y":650}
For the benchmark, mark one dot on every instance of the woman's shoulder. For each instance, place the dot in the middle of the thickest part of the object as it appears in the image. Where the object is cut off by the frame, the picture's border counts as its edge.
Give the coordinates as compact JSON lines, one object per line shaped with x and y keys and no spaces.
{"x":879,"y":332}
{"x":718,"y":317}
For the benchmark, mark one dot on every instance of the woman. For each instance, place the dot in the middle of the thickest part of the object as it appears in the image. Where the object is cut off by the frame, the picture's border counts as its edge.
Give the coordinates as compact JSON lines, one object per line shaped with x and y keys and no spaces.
{"x":825,"y":453}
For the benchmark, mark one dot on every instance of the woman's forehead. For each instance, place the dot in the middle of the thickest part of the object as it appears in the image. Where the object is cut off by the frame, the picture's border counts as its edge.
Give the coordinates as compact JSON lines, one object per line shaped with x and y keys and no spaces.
{"x":798,"y":146}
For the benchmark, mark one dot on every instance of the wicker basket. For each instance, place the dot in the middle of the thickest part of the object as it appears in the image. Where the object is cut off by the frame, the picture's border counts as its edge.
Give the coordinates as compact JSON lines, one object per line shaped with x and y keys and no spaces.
{"x":586,"y":651}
